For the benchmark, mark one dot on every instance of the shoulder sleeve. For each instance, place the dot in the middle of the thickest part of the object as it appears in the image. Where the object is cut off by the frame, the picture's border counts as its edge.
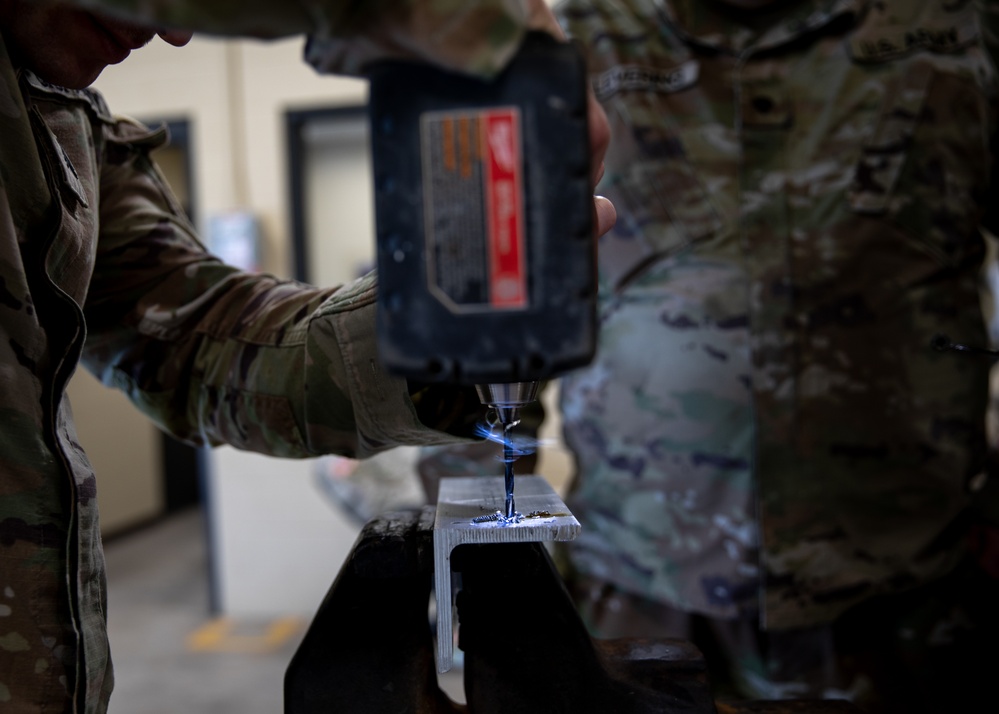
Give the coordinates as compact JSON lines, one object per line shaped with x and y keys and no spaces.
{"x":215,"y":355}
{"x":475,"y":36}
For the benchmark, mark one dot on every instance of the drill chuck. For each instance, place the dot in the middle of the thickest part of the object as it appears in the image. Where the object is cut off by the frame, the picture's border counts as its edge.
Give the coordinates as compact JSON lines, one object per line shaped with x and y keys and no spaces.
{"x":507,"y":398}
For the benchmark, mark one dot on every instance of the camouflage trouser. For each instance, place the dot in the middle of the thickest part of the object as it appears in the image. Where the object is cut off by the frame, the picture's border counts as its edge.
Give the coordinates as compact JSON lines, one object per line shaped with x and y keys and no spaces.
{"x":933,"y":650}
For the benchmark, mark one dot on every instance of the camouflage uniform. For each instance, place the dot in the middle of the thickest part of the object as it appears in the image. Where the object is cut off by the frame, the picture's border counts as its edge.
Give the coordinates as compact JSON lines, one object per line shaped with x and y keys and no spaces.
{"x":99,"y":264}
{"x":799,"y":191}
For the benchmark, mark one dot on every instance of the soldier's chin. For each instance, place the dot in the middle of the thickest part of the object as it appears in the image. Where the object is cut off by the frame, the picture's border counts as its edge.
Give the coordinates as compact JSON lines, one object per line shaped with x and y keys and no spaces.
{"x":82,"y":78}
{"x":71,"y":75}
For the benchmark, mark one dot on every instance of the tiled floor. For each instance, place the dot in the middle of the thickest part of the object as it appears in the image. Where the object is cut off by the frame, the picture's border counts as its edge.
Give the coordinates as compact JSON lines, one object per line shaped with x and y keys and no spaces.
{"x":158,"y":603}
{"x":171,"y":654}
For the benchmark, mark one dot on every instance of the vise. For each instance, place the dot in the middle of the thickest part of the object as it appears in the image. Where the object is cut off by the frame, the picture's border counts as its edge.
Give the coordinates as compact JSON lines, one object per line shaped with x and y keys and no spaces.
{"x":370,"y":647}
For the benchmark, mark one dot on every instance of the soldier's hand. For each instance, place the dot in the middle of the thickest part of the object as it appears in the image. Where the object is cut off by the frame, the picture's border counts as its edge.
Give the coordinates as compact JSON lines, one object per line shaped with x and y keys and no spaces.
{"x":542,"y":18}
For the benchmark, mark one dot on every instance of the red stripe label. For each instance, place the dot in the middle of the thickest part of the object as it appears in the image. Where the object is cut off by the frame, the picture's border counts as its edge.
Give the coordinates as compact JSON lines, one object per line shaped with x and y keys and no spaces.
{"x":503,"y":189}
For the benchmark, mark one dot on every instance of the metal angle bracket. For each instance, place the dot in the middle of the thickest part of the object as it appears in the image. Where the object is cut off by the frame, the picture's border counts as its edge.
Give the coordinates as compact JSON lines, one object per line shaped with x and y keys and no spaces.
{"x":465,"y":506}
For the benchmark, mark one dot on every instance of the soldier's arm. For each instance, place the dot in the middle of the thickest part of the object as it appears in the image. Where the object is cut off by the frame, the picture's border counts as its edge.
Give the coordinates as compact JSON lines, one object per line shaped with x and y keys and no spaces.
{"x":215,"y":355}
{"x":477,"y":36}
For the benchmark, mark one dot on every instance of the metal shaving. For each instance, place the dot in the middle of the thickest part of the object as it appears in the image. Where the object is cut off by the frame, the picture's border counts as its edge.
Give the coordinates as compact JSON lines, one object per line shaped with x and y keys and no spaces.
{"x":499,"y":518}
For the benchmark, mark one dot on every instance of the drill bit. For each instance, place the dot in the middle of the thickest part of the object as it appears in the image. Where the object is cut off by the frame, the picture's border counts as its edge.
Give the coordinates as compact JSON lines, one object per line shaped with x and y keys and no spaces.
{"x":508,"y":457}
{"x":505,"y":399}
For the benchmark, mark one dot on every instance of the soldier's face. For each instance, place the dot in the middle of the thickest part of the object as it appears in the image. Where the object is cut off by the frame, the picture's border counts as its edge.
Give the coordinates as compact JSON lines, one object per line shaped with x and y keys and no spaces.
{"x":69,"y":46}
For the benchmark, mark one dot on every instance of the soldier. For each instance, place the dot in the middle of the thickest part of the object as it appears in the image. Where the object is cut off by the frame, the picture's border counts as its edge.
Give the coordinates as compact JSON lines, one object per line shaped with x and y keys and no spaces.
{"x":772,"y":457}
{"x":94,"y":244}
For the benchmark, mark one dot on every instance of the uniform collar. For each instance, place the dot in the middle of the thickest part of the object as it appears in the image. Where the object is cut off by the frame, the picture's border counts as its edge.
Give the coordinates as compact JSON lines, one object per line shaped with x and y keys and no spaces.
{"x":712,"y":25}
{"x":89,"y":97}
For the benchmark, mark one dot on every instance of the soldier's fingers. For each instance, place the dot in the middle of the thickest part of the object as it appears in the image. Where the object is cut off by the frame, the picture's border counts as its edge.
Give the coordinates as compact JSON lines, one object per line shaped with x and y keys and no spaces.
{"x":599,"y":136}
{"x":606,"y":214}
{"x":541,"y":17}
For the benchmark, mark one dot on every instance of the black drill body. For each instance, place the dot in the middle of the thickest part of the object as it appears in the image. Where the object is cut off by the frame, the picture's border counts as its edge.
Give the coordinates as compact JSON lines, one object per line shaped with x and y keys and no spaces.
{"x":484,"y":216}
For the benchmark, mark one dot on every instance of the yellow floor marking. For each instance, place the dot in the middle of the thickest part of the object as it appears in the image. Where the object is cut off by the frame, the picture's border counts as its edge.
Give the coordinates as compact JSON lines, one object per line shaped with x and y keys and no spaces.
{"x":219,"y":635}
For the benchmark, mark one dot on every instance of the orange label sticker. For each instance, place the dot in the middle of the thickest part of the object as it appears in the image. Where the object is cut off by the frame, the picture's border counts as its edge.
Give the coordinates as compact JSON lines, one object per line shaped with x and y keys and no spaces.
{"x":474,"y":208}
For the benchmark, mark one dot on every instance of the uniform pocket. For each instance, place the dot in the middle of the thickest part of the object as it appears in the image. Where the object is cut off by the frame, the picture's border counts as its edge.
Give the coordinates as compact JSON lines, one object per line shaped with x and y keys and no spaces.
{"x":925,"y":166}
{"x":884,"y":155}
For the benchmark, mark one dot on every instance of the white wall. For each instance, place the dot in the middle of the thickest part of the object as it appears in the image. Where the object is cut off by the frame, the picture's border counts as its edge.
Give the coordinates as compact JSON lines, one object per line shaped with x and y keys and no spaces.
{"x":124,"y":451}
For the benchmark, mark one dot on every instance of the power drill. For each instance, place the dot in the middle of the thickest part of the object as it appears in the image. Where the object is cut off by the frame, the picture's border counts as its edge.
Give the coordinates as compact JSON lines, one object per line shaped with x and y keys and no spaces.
{"x":484,"y":225}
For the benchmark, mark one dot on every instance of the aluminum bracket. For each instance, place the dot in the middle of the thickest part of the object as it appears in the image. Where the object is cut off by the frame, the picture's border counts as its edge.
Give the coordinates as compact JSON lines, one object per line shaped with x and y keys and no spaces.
{"x":464,"y":506}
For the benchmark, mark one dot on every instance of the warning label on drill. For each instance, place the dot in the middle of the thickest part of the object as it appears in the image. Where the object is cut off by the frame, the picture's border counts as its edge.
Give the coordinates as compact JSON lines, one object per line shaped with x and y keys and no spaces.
{"x":473,"y":188}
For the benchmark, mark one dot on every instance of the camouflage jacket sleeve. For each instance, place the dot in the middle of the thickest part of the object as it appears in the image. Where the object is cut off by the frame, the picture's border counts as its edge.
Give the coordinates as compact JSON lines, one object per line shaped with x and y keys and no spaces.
{"x":215,"y":355}
{"x":476,"y":36}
